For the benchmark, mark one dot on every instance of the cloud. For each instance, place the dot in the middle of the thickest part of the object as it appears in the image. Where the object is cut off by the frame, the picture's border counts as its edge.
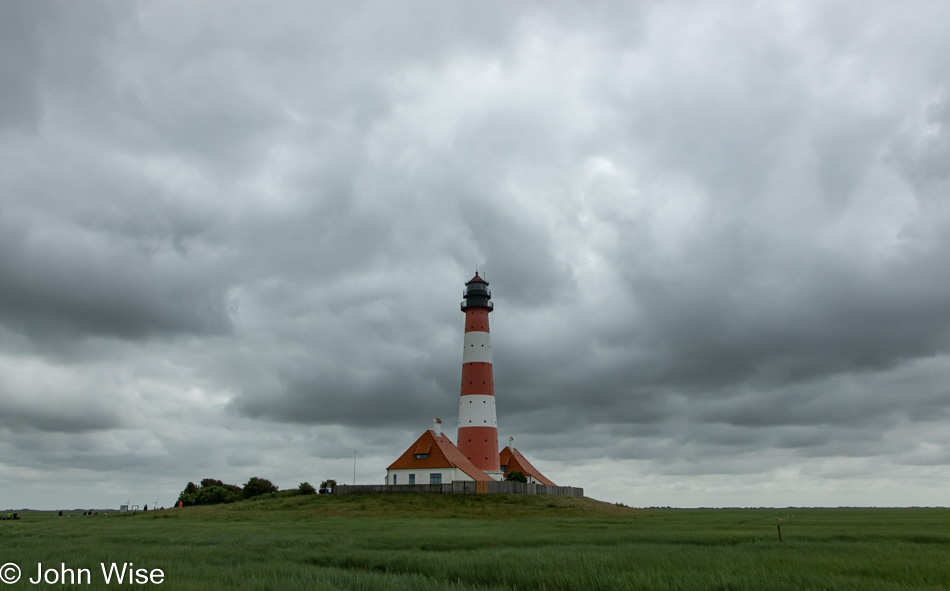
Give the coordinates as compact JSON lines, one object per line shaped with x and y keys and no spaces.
{"x":711,"y":233}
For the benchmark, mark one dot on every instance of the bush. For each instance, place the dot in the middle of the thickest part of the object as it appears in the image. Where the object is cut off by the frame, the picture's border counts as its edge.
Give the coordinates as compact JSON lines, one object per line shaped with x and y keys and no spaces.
{"x":516,"y":476}
{"x":215,"y":495}
{"x":209,"y":495}
{"x":306,"y":488}
{"x":212,"y":482}
{"x":211,"y":492}
{"x":258,"y":486}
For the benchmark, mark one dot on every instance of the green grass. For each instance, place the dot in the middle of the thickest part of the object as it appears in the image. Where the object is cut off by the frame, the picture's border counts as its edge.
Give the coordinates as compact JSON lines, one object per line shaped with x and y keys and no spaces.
{"x":494,"y":542}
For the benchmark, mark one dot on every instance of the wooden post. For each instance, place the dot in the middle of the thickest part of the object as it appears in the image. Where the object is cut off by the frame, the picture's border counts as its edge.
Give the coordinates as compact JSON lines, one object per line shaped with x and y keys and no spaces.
{"x":779,"y":532}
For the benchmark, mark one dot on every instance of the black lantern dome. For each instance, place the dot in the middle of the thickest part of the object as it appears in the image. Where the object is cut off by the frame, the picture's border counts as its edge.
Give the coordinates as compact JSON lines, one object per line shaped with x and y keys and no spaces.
{"x":476,"y":294}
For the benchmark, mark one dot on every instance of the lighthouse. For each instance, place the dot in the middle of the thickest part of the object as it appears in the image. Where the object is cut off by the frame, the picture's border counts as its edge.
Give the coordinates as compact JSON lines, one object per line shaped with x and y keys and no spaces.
{"x":478,"y":426}
{"x":433,"y":459}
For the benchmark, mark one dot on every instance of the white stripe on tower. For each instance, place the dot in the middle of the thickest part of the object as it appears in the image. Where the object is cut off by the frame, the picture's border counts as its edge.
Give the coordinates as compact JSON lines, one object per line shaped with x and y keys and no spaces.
{"x":477,"y":410}
{"x":477,"y":347}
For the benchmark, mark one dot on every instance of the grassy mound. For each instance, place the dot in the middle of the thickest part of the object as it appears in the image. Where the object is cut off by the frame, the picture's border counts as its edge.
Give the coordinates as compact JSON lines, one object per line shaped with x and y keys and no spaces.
{"x":495,"y":507}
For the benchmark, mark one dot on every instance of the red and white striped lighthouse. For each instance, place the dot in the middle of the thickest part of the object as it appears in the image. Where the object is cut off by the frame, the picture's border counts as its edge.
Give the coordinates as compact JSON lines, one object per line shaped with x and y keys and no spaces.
{"x":478,"y":426}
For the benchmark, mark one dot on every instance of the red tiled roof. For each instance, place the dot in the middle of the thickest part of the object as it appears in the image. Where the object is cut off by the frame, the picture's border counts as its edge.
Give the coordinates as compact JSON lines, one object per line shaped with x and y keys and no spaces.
{"x":512,"y":459}
{"x":441,"y":453}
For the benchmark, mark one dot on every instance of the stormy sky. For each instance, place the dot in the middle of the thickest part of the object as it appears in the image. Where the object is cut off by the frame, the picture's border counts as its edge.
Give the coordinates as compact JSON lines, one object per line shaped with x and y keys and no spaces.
{"x":234,"y":235}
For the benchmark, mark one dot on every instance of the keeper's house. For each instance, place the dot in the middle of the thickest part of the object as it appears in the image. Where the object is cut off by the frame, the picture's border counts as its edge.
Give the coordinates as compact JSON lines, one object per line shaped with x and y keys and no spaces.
{"x":511,"y":460}
{"x":433,"y":459}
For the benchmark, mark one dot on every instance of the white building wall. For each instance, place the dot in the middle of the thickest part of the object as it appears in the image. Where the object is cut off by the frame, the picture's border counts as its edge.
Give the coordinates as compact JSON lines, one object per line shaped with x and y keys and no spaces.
{"x":422,"y":475}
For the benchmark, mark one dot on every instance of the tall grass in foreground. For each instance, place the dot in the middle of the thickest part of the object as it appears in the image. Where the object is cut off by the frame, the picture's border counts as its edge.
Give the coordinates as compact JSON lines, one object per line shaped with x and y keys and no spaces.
{"x":448,"y":542}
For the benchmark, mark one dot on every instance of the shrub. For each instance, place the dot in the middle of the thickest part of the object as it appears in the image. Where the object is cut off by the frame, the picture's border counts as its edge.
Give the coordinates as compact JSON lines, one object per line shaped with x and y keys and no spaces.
{"x":258,"y":486}
{"x":306,"y":488}
{"x":211,"y":492}
{"x":209,"y":495}
{"x":212,"y":482}
{"x":516,"y":476}
{"x":215,"y":495}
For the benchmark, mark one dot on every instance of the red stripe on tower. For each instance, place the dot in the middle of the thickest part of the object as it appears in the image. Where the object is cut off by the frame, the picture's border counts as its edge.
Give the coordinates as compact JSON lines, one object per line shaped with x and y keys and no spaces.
{"x":478,"y":427}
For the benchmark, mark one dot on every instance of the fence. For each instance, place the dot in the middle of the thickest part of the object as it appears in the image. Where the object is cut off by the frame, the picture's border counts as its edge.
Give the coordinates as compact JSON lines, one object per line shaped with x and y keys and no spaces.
{"x":460,"y":487}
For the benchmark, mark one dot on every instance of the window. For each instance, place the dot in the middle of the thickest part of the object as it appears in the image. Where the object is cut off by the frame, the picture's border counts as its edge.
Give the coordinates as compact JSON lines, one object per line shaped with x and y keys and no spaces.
{"x":421,"y":456}
{"x":394,"y":478}
{"x":435,"y":478}
{"x":503,"y":469}
{"x":412,"y":479}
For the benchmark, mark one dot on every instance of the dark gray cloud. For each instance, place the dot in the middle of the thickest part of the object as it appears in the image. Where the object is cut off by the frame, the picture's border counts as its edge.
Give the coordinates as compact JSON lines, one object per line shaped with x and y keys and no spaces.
{"x":714,"y":236}
{"x":79,"y":280}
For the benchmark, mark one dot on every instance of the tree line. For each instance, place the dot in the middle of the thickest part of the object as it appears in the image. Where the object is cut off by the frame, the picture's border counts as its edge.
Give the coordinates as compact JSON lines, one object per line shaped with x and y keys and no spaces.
{"x":215,"y":492}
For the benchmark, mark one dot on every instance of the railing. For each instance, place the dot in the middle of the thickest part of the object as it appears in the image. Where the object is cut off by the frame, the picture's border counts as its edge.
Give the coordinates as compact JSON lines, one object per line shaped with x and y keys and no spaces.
{"x":488,"y":304}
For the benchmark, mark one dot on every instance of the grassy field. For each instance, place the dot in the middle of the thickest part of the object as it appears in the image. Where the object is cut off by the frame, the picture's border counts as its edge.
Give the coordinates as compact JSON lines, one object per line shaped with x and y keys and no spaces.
{"x":436,"y":542}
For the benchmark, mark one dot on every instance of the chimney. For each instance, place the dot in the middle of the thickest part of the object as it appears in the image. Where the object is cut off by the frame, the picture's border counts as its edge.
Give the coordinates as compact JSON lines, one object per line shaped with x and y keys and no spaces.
{"x":437,"y":426}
